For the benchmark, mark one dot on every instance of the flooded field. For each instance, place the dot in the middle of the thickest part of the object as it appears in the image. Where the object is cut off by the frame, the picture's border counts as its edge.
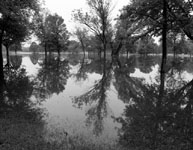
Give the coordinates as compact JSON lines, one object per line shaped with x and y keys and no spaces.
{"x":117,"y":101}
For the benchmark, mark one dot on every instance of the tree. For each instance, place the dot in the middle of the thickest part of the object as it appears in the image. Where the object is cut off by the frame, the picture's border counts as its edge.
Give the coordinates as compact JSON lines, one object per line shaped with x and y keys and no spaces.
{"x":97,"y":20}
{"x":81,"y":35}
{"x":13,"y":36}
{"x":16,"y":47}
{"x":51,"y":78}
{"x":41,"y":29}
{"x":33,"y":47}
{"x":154,"y":118}
{"x":146,"y":17}
{"x":145,"y":45}
{"x":53,"y":33}
{"x":96,"y":98}
{"x":151,"y":17}
{"x":15,"y":15}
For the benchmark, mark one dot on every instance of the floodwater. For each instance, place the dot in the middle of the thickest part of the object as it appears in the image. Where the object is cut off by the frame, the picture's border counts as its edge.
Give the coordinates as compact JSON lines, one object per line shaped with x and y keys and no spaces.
{"x":121,"y":100}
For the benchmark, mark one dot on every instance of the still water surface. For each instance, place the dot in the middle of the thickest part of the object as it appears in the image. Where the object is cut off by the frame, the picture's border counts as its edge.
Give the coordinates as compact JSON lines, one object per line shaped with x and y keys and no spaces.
{"x":112,"y":101}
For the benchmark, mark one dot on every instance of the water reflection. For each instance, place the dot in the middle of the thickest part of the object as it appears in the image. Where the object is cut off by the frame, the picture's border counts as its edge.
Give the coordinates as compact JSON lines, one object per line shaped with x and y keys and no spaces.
{"x":159,"y":115}
{"x":20,"y":118}
{"x":146,"y":63}
{"x":81,"y":74}
{"x":17,"y":93}
{"x":52,"y":77}
{"x":156,"y":114}
{"x":16,"y":61}
{"x":34,"y":57}
{"x":96,"y":98}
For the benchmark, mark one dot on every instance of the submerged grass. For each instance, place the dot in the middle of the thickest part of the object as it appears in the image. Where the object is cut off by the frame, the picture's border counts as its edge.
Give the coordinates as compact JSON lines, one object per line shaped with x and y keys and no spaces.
{"x":19,"y":133}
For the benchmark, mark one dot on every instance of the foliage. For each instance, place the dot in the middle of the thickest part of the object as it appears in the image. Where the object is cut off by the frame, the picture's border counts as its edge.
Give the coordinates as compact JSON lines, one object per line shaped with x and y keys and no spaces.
{"x":15,"y":24}
{"x":146,"y":45}
{"x":82,"y":36}
{"x":51,"y":78}
{"x":16,"y":47}
{"x":16,"y":61}
{"x":34,"y":47}
{"x":97,"y":20}
{"x":158,"y":116}
{"x":52,"y":32}
{"x":96,"y":99}
{"x":145,"y":17}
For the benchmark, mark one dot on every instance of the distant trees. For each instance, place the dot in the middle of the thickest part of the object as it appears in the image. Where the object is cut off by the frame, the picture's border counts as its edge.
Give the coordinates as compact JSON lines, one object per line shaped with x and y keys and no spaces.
{"x":82,"y":36}
{"x":146,"y":45}
{"x":52,"y":33}
{"x":34,"y":47}
{"x":15,"y":22}
{"x":16,"y":47}
{"x":97,"y":20}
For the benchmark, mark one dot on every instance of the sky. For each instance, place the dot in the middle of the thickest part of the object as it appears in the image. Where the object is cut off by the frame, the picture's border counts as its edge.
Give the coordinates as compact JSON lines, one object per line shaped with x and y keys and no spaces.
{"x":64,"y":8}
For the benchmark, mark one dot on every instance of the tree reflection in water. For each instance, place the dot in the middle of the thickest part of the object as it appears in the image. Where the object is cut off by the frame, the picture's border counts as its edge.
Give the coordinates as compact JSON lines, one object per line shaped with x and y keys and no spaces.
{"x":18,"y":90}
{"x":82,"y":71}
{"x":96,"y":98}
{"x":159,"y":116}
{"x":34,"y":57}
{"x":21,"y":124}
{"x":16,"y":61}
{"x":52,"y":77}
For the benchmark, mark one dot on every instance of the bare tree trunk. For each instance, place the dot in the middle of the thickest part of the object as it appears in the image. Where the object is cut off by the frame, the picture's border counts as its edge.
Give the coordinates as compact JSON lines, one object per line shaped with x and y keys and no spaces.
{"x":58,"y":52}
{"x":83,"y":47}
{"x":7,"y":52}
{"x":164,"y":36}
{"x":127,"y":53}
{"x":1,"y":60}
{"x":45,"y":48}
{"x":104,"y":48}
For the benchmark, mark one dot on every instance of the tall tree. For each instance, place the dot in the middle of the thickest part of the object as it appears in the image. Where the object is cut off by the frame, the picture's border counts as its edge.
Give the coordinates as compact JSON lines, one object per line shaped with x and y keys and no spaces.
{"x":41,"y":29}
{"x":13,"y":36}
{"x":13,"y":14}
{"x":53,"y":33}
{"x":147,"y":16}
{"x":82,"y":36}
{"x":58,"y":33}
{"x":97,"y":20}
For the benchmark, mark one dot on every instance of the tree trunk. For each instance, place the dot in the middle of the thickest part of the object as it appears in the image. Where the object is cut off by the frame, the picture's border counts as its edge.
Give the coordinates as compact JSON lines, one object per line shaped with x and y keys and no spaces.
{"x":117,"y":50}
{"x":104,"y":48}
{"x":99,"y":53}
{"x":164,"y":37}
{"x":83,"y":47}
{"x":7,"y":52}
{"x":58,"y":52}
{"x":1,"y":60}
{"x":45,"y":48}
{"x":127,"y":53}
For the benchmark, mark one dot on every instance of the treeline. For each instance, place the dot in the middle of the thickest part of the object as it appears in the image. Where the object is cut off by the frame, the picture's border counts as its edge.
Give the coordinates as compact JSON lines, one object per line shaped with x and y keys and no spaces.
{"x":135,"y":30}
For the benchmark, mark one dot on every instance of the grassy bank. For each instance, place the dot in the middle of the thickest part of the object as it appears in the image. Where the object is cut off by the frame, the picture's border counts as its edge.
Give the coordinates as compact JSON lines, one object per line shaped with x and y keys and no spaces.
{"x":21,"y":133}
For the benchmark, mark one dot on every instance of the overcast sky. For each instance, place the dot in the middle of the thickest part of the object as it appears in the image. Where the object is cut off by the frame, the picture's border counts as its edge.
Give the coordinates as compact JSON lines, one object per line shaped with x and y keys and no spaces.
{"x":64,"y":8}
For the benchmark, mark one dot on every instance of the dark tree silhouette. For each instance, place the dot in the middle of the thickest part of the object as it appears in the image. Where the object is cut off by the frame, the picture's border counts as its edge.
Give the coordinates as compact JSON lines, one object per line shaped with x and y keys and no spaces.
{"x":51,"y":78}
{"x":15,"y":16}
{"x":97,"y":94}
{"x":159,"y":116}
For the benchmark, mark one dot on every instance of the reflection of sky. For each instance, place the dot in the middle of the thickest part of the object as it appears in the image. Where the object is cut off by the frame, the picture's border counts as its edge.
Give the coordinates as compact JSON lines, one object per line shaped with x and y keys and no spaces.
{"x":31,"y":69}
{"x":63,"y":113}
{"x":186,"y":76}
{"x":149,"y":77}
